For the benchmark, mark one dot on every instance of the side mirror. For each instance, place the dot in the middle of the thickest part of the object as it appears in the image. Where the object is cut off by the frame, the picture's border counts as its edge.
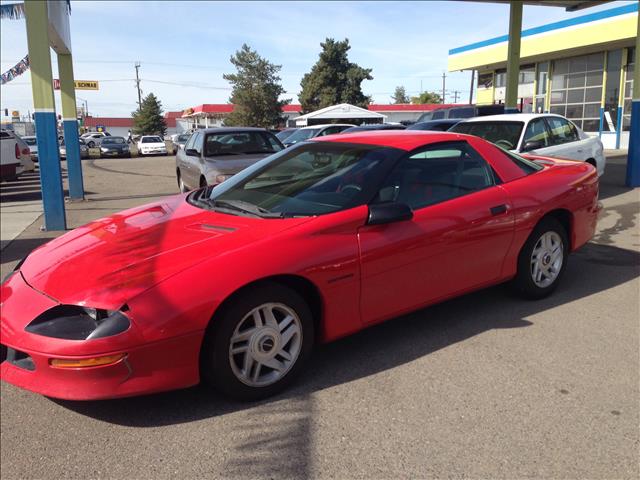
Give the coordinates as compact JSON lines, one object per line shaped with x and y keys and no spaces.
{"x":532,"y":145}
{"x":388,"y":212}
{"x":191,"y":152}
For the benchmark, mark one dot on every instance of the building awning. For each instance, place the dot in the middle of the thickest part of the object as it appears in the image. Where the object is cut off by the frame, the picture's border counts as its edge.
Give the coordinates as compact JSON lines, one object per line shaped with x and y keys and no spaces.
{"x":339,"y":112}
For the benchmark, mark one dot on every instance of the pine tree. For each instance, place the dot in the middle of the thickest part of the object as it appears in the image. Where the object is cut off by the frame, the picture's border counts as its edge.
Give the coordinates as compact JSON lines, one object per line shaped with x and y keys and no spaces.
{"x":400,"y":95}
{"x":256,"y":91}
{"x":148,"y":119}
{"x":333,"y":79}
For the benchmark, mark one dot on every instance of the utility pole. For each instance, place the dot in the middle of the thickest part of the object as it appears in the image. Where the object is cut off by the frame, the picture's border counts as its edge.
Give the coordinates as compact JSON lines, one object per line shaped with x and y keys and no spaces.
{"x":138,"y":86}
{"x":473,"y":77}
{"x":455,"y":95}
{"x":444,"y":77}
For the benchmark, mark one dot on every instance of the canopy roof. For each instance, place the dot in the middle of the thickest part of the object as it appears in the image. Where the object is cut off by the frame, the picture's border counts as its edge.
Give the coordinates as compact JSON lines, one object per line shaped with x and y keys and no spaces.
{"x":343,"y":110}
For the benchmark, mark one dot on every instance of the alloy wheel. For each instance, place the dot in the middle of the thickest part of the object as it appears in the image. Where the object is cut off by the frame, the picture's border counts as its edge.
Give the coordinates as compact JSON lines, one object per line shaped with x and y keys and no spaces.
{"x":546,"y":259}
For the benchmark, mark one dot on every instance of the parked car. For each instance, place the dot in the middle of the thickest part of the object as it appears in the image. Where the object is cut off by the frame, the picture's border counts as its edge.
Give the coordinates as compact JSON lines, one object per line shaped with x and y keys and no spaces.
{"x":180,"y":141}
{"x":214,"y":155}
{"x":463,"y":111}
{"x":307,"y":133}
{"x":236,"y":285}
{"x":435,"y":125}
{"x":94,"y":139}
{"x":376,"y":127}
{"x":84,"y":150}
{"x":286,"y":133}
{"x":114,"y":147}
{"x":538,"y":134}
{"x":31,"y":141}
{"x":151,"y":145}
{"x":15,"y":156}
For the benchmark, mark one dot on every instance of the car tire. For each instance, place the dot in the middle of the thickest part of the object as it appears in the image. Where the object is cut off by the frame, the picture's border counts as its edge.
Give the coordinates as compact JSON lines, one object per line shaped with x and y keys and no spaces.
{"x":542,"y":260}
{"x":181,"y":185}
{"x":283,"y":341}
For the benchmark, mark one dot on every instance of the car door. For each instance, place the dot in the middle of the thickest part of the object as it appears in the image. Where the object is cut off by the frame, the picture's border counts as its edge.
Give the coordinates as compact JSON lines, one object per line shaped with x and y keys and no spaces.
{"x":190,"y":166}
{"x":461,"y":229}
{"x":565,"y":141}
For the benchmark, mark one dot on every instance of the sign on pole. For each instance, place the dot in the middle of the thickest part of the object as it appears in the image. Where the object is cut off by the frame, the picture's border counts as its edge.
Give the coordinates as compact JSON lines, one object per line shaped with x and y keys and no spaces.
{"x":79,"y":84}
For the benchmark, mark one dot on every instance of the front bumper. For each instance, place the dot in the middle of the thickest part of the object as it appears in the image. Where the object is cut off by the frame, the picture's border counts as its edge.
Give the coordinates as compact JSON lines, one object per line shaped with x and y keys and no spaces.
{"x":146,"y":367}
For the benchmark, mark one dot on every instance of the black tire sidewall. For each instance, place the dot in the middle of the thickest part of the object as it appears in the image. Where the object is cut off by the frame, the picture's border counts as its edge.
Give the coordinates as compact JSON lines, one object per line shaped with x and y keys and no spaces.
{"x":215,"y":365}
{"x":524,"y":281}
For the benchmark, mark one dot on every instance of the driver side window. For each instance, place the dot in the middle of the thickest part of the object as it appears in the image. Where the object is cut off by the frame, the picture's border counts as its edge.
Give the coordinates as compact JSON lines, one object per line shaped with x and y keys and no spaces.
{"x":536,"y":133}
{"x":436,"y":174}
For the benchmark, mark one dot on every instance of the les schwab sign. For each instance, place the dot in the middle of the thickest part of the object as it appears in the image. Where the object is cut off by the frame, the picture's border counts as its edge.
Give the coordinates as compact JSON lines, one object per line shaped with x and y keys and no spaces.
{"x":80,"y":84}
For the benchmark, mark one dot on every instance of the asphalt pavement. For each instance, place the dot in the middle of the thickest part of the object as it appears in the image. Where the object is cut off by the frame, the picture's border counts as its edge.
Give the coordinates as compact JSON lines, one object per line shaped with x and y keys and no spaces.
{"x":483,"y":386}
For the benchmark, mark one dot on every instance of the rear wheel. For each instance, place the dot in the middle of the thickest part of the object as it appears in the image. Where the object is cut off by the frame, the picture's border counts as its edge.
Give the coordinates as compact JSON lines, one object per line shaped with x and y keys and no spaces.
{"x":543,"y":259}
{"x":259,"y":343}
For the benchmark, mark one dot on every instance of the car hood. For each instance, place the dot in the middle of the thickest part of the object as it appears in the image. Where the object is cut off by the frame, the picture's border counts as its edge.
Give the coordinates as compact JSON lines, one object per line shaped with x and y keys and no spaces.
{"x":108,"y":261}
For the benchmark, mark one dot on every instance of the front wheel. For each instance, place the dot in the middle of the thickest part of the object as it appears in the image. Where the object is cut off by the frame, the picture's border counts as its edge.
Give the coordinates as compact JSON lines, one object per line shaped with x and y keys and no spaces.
{"x":259,"y":343}
{"x":181,"y":185}
{"x":543,"y":259}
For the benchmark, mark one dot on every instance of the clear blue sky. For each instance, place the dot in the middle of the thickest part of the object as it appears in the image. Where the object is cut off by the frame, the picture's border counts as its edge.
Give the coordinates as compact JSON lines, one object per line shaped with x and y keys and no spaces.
{"x":187,"y":45}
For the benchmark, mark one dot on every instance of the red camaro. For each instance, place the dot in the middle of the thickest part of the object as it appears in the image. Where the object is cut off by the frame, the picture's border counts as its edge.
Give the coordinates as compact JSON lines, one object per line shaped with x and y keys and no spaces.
{"x":235,"y":284}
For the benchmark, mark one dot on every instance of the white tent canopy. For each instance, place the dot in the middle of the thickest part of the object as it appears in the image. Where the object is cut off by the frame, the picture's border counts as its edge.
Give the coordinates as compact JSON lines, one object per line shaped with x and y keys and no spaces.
{"x":342,"y":111}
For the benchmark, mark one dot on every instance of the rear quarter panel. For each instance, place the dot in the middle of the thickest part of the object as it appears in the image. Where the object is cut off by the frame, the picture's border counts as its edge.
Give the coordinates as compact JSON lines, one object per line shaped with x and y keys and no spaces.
{"x":562,"y":185}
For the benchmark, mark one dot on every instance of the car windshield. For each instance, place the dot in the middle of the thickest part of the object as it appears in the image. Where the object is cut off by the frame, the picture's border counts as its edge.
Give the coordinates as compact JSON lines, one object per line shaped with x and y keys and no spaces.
{"x":313,"y":178}
{"x":113,"y":140}
{"x":29,"y":141}
{"x":504,"y":134}
{"x":302,"y":135}
{"x":183,"y":138}
{"x":283,"y":135}
{"x":239,"y":143}
{"x":150,"y":140}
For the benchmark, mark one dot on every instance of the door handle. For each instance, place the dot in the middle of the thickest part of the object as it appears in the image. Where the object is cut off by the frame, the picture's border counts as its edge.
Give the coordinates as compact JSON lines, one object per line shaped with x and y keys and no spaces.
{"x":498,"y":209}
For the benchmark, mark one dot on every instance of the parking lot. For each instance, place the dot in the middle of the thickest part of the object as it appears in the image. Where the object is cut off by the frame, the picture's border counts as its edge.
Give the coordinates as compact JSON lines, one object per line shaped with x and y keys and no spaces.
{"x":484,"y":386}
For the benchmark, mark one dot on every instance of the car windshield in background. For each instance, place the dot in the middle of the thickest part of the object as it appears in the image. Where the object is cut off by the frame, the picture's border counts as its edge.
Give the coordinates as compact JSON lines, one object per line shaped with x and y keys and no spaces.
{"x":302,"y":135}
{"x":113,"y":140}
{"x":183,"y":138}
{"x":310,"y":179}
{"x":29,"y":141}
{"x":150,"y":140}
{"x":504,"y":134}
{"x":240,"y":143}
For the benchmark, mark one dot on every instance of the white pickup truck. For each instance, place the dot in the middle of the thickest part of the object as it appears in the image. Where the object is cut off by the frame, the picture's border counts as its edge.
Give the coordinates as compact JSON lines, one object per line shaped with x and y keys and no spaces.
{"x":15,"y":156}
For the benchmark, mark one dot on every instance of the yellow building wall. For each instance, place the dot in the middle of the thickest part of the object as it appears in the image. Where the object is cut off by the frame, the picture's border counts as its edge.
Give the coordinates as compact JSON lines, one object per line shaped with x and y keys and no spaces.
{"x":603,"y":31}
{"x":484,"y":96}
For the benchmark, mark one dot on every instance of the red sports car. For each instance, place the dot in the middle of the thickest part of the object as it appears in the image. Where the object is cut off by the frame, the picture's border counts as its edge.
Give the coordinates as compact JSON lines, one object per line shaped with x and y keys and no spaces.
{"x":235,"y":284}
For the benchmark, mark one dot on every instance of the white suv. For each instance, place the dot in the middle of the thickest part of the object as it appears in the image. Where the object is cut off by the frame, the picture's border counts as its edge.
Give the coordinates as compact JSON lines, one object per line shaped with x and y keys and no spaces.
{"x":539,"y":134}
{"x":15,"y":156}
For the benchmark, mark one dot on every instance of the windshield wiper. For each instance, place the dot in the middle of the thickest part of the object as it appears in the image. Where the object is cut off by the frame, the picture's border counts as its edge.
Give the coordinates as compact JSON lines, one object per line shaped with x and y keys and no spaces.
{"x":240,"y":206}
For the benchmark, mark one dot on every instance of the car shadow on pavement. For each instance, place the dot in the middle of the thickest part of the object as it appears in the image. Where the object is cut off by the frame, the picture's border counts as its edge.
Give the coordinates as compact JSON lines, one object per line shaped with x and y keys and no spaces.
{"x":593,"y":269}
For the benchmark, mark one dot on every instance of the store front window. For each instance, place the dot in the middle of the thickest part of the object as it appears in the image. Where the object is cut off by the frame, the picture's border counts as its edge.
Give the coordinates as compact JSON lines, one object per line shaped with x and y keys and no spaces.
{"x":576,"y":89}
{"x":628,"y":89}
{"x":612,"y":90}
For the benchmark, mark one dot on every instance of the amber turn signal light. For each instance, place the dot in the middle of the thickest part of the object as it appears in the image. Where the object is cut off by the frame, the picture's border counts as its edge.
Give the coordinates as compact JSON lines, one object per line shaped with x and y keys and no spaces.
{"x":86,"y":362}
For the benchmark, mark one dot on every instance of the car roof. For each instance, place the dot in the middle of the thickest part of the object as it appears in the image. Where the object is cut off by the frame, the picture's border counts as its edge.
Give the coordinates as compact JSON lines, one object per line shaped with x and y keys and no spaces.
{"x":401,"y":139}
{"x":323,"y":125}
{"x":231,"y":130}
{"x":511,"y":117}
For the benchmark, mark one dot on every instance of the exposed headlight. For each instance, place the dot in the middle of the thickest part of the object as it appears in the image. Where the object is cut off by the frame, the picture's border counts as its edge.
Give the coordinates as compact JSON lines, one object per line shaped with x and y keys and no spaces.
{"x":103,"y":149}
{"x":77,"y":323}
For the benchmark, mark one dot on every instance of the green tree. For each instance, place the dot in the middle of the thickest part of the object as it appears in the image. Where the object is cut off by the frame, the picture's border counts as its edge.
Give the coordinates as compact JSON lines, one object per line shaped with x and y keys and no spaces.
{"x":400,"y":95}
{"x":148,"y":119}
{"x":256,"y":89}
{"x":427,"y":97}
{"x":334,"y":79}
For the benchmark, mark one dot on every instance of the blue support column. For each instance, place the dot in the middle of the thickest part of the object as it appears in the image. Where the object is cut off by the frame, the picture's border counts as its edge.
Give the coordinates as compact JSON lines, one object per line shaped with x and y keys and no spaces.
{"x":50,"y":172}
{"x":74,"y":165}
{"x":633,"y":159}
